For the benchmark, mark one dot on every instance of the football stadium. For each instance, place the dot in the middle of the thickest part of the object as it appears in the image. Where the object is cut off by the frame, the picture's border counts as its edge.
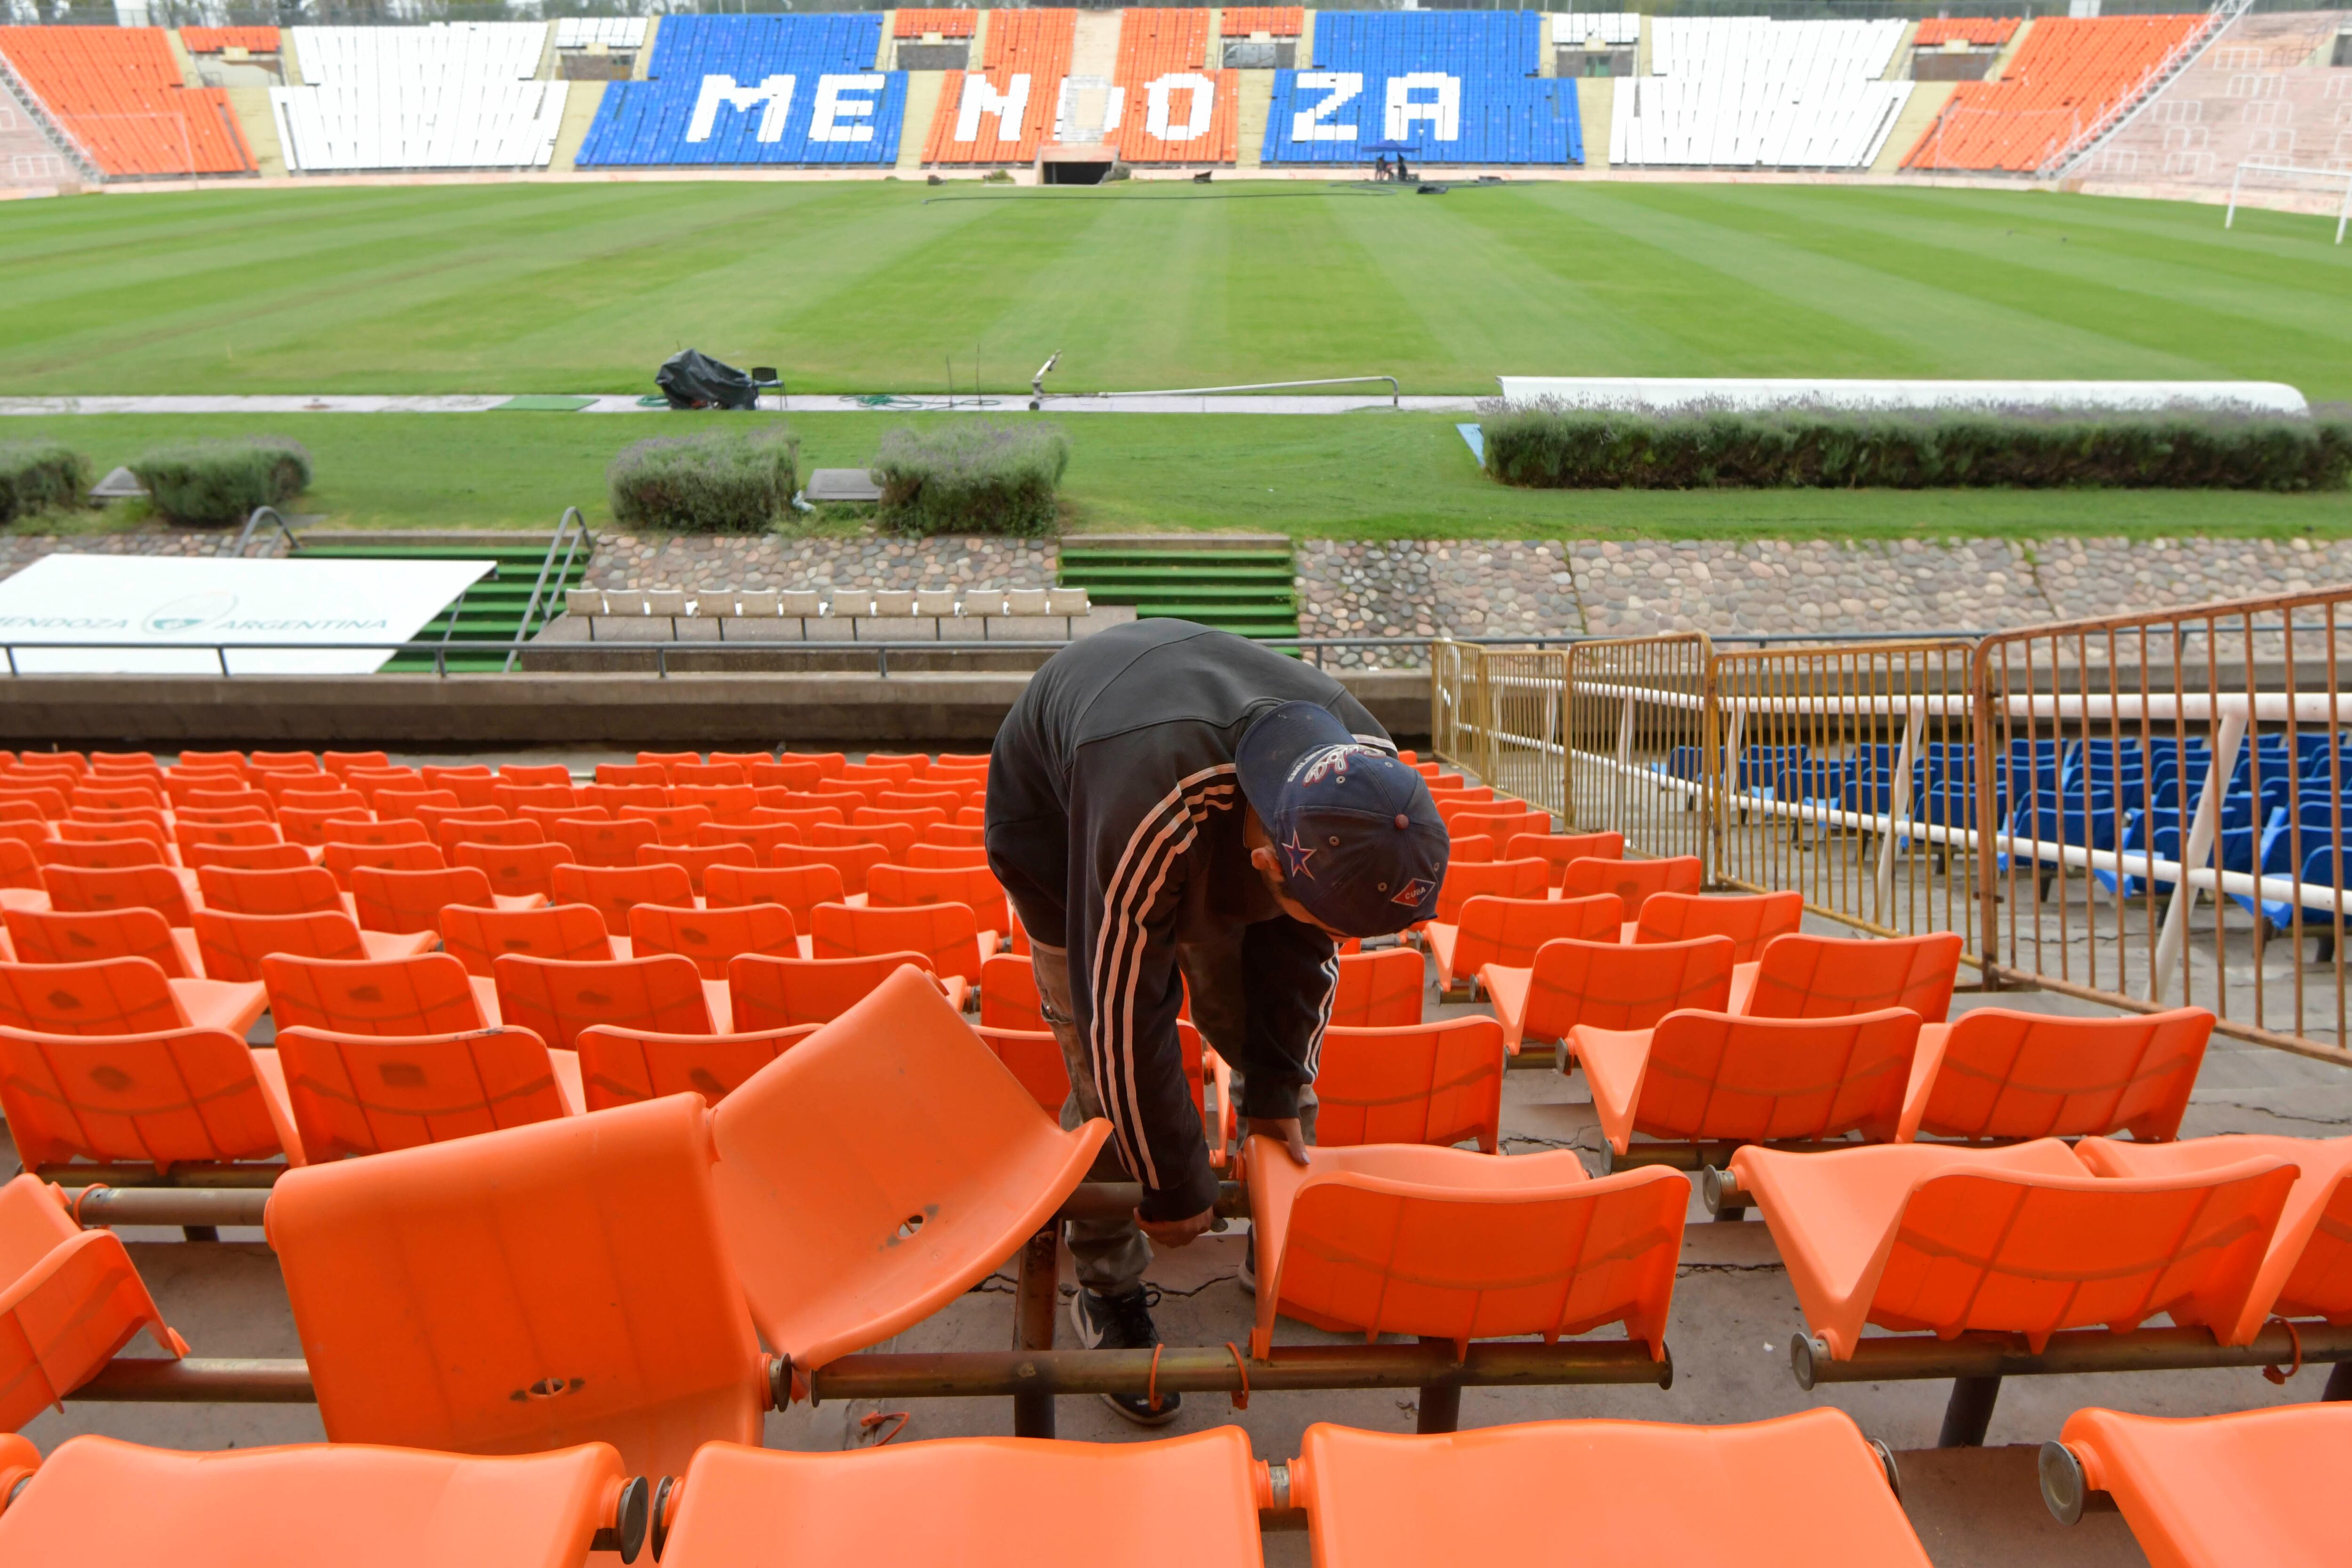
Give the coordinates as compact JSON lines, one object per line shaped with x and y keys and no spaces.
{"x":782,"y":780}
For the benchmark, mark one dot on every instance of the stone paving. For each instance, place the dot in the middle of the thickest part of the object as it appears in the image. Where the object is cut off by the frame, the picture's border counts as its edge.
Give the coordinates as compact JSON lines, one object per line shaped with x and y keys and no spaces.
{"x":1419,"y":588}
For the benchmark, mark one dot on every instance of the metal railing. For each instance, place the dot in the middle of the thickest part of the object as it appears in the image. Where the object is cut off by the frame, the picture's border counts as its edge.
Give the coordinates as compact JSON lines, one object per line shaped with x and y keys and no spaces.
{"x":571,"y":534}
{"x":2143,"y":811}
{"x":253,"y":525}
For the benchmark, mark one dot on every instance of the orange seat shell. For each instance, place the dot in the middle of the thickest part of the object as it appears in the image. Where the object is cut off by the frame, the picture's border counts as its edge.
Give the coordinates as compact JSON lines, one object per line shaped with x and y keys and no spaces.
{"x":2216,"y":1492}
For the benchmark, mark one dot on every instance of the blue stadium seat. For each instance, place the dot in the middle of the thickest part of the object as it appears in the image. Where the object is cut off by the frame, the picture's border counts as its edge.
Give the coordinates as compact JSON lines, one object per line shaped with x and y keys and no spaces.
{"x":1456,"y":87}
{"x":797,"y":89}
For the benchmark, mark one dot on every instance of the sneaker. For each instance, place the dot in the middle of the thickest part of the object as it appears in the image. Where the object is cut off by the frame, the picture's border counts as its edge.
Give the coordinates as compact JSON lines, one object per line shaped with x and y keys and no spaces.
{"x":1124,"y":1323}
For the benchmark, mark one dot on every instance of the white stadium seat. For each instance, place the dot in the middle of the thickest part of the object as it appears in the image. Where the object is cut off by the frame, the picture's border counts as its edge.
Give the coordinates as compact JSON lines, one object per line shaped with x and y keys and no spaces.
{"x":1750,"y":93}
{"x":457,"y":95}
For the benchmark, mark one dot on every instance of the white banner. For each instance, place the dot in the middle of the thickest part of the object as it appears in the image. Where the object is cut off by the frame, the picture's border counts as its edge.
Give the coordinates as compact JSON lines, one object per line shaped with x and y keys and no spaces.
{"x":159,"y":606}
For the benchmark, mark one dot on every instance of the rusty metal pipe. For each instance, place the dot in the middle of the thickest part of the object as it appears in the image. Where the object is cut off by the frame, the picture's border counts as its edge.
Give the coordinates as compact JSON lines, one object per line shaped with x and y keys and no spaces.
{"x":151,"y":1379}
{"x":98,"y":1206}
{"x":1036,"y":1296}
{"x":1205,"y":1369}
{"x":1899,"y":1357}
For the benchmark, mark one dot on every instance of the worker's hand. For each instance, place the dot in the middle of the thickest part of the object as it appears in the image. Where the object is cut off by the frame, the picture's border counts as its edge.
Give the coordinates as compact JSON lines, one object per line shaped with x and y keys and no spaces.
{"x":1178,"y":1231}
{"x":1294,"y":1136}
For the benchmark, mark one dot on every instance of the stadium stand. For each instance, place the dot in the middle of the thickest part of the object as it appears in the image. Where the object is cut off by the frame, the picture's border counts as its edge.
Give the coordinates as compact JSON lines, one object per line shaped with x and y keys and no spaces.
{"x":1980,"y":32}
{"x":2256,"y":94}
{"x":453,"y":95}
{"x":754,"y":90}
{"x":1569,"y":28}
{"x":117,"y":92}
{"x":1749,"y":92}
{"x":1164,"y":106}
{"x":921,"y":24}
{"x":1249,"y":21}
{"x":613,"y":32}
{"x":219,"y":40}
{"x":2067,"y":73}
{"x":1451,"y":87}
{"x":1001,"y":112}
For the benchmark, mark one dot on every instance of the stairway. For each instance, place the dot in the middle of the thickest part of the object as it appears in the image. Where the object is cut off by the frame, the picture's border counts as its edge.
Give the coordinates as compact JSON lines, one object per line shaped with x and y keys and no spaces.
{"x":480,"y":627}
{"x":1237,"y":584}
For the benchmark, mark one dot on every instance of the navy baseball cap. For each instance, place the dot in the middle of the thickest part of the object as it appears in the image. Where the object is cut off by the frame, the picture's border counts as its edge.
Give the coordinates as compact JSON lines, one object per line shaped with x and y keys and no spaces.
{"x":1360,"y":842}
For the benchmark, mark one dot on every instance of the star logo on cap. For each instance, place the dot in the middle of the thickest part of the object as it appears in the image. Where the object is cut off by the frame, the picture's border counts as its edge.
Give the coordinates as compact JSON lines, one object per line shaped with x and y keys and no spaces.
{"x":1416,"y":889}
{"x":1299,"y":855}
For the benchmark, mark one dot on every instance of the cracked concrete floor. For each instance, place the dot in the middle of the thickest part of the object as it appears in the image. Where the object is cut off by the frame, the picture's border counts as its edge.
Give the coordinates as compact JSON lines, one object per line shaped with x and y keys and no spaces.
{"x":1733,"y":1317}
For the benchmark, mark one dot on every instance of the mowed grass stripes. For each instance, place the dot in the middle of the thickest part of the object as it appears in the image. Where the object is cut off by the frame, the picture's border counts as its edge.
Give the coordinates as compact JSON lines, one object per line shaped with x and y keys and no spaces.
{"x":876,"y":287}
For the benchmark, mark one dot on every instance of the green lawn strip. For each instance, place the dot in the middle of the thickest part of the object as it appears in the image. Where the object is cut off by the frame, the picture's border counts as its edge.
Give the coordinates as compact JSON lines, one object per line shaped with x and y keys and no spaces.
{"x":522,"y":288}
{"x":1362,"y":476}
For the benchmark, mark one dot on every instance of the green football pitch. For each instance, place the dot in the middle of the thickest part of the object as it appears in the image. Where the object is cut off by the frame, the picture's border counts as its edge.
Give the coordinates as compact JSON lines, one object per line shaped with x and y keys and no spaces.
{"x":879,"y":286}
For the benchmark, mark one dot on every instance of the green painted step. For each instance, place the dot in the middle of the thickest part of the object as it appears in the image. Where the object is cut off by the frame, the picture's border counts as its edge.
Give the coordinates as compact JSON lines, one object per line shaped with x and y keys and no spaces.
{"x":1246,"y":591}
{"x":479,"y":628}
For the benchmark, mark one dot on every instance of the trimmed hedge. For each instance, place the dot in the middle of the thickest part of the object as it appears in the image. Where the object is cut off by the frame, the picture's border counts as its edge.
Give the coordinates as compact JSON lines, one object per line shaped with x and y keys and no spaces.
{"x":972,"y":477}
{"x":1555,"y":448}
{"x":40,"y":476}
{"x":721,"y":481}
{"x":220,"y":482}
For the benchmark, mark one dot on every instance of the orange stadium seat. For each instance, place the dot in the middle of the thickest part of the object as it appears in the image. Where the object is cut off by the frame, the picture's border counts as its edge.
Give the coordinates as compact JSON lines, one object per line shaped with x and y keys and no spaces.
{"x":358,"y":1507}
{"x":852,"y":862}
{"x":1750,"y":920}
{"x":622,"y":1067}
{"x":780,"y":993}
{"x":287,"y":762}
{"x":697,"y":860}
{"x":762,"y":838}
{"x":1717,"y":1078}
{"x":172,"y":1097}
{"x":708,"y":774}
{"x":100,"y":854}
{"x":975,"y":888}
{"x":435,"y":818}
{"x":547,"y":816}
{"x":515,"y":871}
{"x":1557,"y":849}
{"x":346,"y":861}
{"x":713,"y":938}
{"x":1033,"y":43}
{"x":427,"y":994}
{"x":1194,"y":1497}
{"x":2063,"y":77}
{"x":614,"y":891}
{"x":1634,"y":881}
{"x":1776,"y":1488}
{"x":86,"y":936}
{"x":1435,"y":1083}
{"x":2257,"y":1486}
{"x":947,"y":933}
{"x":505,"y":832}
{"x":368,"y":833}
{"x":1034,"y":1058}
{"x":233,"y":945}
{"x":604,"y":1235}
{"x":369,"y":1094}
{"x":726,"y":803}
{"x":1525,"y":879}
{"x":1008,"y":994}
{"x":122,"y":996}
{"x":1375,"y":990}
{"x":1508,"y":932}
{"x":564,"y":933}
{"x":1804,"y":976}
{"x":413,"y":802}
{"x":70,"y":1299}
{"x":983,"y":1180}
{"x":828,"y":764}
{"x":1995,"y":1074}
{"x":269,"y":857}
{"x":557,"y":1000}
{"x":897,"y":837}
{"x":307,"y":824}
{"x":1397,"y":1238}
{"x":633,"y":774}
{"x":340,"y":762}
{"x":2016,"y":1240}
{"x":1501,"y":826}
{"x":1607,"y":986}
{"x":799,"y":888}
{"x":2306,"y":1269}
{"x":602,"y":843}
{"x":190,"y":837}
{"x":296,"y":890}
{"x":92,"y":889}
{"x":118,"y":90}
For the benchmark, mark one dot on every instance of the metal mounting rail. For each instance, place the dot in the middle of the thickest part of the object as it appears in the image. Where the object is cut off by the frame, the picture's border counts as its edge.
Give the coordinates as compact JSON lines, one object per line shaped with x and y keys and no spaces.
{"x":571,"y":532}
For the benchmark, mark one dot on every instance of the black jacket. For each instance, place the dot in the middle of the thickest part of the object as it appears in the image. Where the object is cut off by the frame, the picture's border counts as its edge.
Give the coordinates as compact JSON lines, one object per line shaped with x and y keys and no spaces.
{"x":1115,"y":823}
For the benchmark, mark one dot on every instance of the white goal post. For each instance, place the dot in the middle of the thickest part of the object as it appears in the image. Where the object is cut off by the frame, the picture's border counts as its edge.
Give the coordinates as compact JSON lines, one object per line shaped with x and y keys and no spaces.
{"x":2261,"y":166}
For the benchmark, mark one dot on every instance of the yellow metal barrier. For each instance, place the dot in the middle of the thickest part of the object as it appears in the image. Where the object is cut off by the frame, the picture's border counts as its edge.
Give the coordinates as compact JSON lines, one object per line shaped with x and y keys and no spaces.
{"x":1846,"y":774}
{"x":1641,"y":743}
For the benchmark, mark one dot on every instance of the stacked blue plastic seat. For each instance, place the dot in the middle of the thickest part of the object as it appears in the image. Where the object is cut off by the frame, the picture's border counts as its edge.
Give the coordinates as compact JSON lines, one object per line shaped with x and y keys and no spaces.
{"x":1452,"y":87}
{"x":796,"y":90}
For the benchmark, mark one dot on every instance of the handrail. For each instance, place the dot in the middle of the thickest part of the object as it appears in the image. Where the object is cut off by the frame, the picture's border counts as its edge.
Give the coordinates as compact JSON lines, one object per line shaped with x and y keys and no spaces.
{"x":579,"y":525}
{"x":277,"y":519}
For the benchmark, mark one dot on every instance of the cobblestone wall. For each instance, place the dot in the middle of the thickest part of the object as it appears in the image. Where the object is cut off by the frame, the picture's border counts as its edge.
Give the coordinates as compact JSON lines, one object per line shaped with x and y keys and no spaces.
{"x":1419,"y":588}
